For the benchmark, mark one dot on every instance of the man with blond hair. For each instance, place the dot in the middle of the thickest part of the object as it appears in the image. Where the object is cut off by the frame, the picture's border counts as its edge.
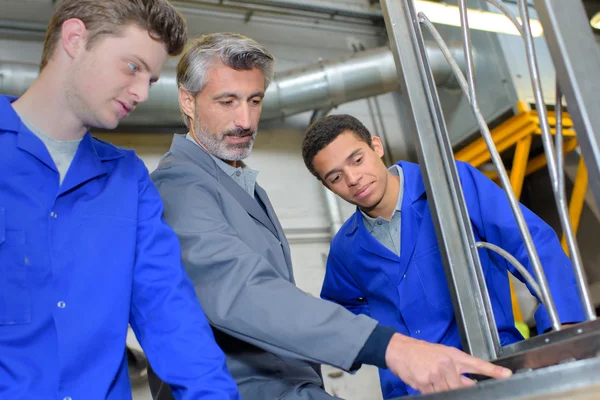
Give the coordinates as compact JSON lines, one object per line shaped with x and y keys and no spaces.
{"x":275,"y":335}
{"x":83,"y":247}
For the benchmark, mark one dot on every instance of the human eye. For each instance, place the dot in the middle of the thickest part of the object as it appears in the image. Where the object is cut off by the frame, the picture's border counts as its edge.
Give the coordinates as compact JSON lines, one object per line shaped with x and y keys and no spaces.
{"x":133,"y":67}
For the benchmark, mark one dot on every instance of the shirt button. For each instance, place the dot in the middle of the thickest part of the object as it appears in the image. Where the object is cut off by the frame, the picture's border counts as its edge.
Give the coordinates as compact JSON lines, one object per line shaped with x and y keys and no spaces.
{"x":404,"y":276}
{"x":53,"y":215}
{"x":418,"y":331}
{"x":238,"y":173}
{"x":379,"y":222}
{"x":61,"y":304}
{"x":67,"y":398}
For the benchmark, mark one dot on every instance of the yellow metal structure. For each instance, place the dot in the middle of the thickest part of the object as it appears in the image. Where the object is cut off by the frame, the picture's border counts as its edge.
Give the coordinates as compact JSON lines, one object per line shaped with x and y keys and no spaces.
{"x":518,"y":132}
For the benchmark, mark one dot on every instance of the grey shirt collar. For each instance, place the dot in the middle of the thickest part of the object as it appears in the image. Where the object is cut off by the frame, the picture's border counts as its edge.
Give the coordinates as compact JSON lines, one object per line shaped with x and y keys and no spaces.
{"x":242,"y":175}
{"x":370,"y":222}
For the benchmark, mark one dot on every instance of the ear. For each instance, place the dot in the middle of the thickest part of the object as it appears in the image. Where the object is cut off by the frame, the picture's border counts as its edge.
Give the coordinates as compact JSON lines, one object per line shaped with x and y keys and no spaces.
{"x":377,"y":146}
{"x":73,"y":37}
{"x":187,"y":103}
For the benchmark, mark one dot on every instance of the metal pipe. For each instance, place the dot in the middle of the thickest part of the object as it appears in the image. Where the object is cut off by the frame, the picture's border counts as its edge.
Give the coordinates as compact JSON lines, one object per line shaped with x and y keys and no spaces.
{"x":325,"y":84}
{"x":334,"y":212}
{"x":515,"y":263}
{"x":558,"y":141}
{"x":22,"y":30}
{"x":505,"y":181}
{"x":278,"y":16}
{"x":552,"y":166}
{"x":328,"y":84}
{"x":469,"y":89}
{"x":466,"y":34}
{"x":565,"y":220}
{"x":319,"y":6}
{"x":508,"y":14}
{"x":576,"y":59}
{"x":376,"y":118}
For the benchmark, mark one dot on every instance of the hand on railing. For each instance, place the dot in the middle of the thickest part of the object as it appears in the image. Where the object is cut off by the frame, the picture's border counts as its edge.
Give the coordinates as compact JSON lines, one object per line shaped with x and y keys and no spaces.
{"x":431,"y":368}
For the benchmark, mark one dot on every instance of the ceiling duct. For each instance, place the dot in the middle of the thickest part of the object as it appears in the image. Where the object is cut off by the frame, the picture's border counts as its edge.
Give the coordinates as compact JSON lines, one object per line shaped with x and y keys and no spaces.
{"x":325,"y":84}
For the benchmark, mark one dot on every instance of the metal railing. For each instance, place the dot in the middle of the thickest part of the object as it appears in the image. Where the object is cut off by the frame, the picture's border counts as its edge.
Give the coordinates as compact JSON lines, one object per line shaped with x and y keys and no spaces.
{"x":453,"y":228}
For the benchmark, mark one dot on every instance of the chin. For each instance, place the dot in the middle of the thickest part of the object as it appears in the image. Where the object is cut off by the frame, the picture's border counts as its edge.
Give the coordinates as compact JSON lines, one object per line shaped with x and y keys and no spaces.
{"x":108,"y":123}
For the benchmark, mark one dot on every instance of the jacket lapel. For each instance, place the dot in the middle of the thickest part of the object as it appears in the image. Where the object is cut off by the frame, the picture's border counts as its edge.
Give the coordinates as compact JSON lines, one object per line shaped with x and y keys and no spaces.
{"x":262,"y":195}
{"x":412,"y":212}
{"x":272,"y":217}
{"x":30,"y":143}
{"x":87,"y":164}
{"x":200,"y":157}
{"x":369,"y":244}
{"x":250,"y":205}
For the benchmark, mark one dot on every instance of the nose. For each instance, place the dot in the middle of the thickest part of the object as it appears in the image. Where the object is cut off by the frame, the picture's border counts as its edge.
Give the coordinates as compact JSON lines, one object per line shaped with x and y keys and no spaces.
{"x":352,"y":177}
{"x":140,"y":90}
{"x":243,"y":118}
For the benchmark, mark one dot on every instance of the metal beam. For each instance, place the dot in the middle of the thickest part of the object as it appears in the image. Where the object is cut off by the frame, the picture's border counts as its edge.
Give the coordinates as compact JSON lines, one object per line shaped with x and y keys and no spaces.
{"x":423,"y":117}
{"x":575,"y":380}
{"x":576,"y":57}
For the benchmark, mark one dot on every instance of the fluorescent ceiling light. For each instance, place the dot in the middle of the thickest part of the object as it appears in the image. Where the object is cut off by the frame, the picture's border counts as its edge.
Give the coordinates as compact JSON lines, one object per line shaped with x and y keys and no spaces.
{"x":595,"y":21}
{"x":444,"y":14}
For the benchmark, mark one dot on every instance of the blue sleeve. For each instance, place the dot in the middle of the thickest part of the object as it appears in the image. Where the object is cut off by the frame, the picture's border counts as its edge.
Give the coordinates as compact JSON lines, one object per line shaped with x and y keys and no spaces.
{"x":339,"y":287}
{"x":492,"y":217}
{"x":165,"y":312}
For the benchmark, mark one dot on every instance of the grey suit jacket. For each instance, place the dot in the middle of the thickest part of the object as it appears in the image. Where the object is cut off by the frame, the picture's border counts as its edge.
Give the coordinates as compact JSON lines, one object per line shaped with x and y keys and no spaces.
{"x":239,"y":260}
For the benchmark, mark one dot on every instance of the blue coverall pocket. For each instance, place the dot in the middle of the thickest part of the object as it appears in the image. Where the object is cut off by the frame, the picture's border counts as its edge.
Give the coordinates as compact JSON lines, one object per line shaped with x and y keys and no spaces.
{"x":15,"y":297}
{"x":433,"y":278}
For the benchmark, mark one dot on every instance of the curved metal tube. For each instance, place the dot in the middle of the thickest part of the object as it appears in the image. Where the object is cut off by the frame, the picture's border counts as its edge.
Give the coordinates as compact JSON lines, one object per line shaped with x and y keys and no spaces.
{"x":505,"y":180}
{"x":558,"y":142}
{"x":469,"y":90}
{"x":509,"y":15}
{"x":559,"y":193}
{"x":515,"y":263}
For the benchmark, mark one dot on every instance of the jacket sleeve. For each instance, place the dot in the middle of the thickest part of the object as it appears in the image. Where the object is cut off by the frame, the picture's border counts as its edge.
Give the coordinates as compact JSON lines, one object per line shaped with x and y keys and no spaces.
{"x":165,"y":313}
{"x":339,"y":286}
{"x":244,"y":295}
{"x":492,"y":216}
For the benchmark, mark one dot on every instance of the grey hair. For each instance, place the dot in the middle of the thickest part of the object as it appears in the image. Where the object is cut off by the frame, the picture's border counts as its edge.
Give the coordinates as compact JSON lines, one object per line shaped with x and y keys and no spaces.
{"x":234,"y":50}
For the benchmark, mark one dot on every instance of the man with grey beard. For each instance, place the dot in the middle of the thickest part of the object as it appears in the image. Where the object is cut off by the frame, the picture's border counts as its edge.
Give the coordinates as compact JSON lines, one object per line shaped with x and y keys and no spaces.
{"x":274,"y":335}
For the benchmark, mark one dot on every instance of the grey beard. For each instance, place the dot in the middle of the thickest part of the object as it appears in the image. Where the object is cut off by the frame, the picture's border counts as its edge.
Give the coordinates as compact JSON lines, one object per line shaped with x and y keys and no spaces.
{"x":218,"y":147}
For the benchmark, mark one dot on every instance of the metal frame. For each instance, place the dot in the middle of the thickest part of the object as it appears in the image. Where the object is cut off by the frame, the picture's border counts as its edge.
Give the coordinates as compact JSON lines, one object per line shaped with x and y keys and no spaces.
{"x":518,"y":132}
{"x":576,"y":58}
{"x":564,"y":381}
{"x":554,"y":165}
{"x":425,"y":120}
{"x":463,"y":269}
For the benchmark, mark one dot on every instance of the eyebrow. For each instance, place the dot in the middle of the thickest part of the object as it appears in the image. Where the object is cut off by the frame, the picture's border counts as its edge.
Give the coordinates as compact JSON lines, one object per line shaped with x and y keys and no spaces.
{"x":224,"y":95}
{"x":354,"y":153}
{"x":146,"y":67}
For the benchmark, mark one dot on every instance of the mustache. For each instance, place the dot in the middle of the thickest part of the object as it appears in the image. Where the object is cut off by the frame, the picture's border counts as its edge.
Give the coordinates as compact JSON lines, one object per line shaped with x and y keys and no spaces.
{"x":239,"y":132}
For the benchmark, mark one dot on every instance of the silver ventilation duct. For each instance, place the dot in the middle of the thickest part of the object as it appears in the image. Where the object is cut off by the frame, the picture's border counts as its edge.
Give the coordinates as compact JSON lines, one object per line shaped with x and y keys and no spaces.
{"x":325,"y":84}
